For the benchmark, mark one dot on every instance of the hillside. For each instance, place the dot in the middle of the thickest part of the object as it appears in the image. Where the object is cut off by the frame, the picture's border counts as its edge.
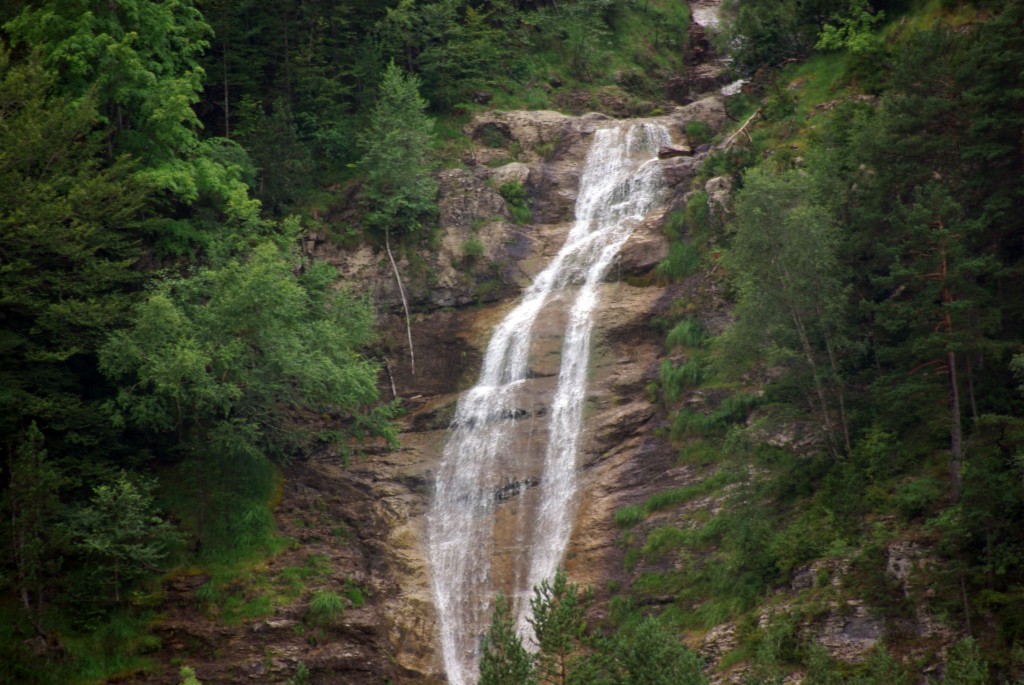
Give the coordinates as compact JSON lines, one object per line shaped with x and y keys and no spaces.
{"x":253,"y":255}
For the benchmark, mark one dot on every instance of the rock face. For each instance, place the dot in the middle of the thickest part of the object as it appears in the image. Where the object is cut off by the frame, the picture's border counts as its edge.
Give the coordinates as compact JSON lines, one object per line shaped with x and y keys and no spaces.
{"x":619,"y":456}
{"x":367,"y":519}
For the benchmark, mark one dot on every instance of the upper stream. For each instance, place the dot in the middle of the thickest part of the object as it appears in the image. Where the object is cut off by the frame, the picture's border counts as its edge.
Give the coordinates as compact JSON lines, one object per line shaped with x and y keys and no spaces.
{"x":506,"y":487}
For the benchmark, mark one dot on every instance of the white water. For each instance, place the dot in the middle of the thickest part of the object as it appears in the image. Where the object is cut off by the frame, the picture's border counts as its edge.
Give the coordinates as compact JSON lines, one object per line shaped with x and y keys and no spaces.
{"x":485,"y":463}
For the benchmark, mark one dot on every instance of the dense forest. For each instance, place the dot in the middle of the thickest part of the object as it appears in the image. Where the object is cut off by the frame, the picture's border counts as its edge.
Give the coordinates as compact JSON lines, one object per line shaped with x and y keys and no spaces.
{"x":165,"y":346}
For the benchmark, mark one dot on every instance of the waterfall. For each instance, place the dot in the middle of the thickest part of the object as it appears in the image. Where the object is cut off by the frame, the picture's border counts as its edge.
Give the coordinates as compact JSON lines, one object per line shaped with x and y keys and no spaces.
{"x":505,"y":497}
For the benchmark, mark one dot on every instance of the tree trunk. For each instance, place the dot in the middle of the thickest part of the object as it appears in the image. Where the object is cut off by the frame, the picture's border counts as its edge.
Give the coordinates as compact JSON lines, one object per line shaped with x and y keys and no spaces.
{"x":405,"y":304}
{"x":227,"y":92}
{"x":955,"y":433}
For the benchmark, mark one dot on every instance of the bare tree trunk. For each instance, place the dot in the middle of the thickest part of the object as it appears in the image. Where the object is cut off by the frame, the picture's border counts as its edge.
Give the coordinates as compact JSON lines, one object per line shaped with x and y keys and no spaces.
{"x":970,"y":389}
{"x":967,"y":607}
{"x":227,"y":92}
{"x":956,"y":449}
{"x":391,"y":377}
{"x":405,"y":304}
{"x":840,"y":386}
{"x":741,"y":130}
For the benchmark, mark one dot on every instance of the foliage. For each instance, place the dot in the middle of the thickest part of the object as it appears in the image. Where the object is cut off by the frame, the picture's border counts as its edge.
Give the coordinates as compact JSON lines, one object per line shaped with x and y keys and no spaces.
{"x":472,"y":249}
{"x":325,"y":607}
{"x":965,"y":665}
{"x":138,"y":61}
{"x":399,"y":193}
{"x":683,"y":260}
{"x":558,"y":618}
{"x":212,"y":365}
{"x":188,"y":676}
{"x":233,"y":345}
{"x":67,"y":251}
{"x":120,"y":533}
{"x":790,"y":296}
{"x":504,"y":661}
{"x":697,"y":132}
{"x":515,"y":198}
{"x":853,"y":33}
{"x":650,"y":655}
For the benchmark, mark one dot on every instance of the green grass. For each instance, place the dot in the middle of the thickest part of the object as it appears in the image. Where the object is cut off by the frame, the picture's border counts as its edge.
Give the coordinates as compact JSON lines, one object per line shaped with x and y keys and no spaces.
{"x":515,"y":198}
{"x":675,"y":379}
{"x":732,"y":410}
{"x":325,"y":607}
{"x":628,"y":517}
{"x":683,"y":260}
{"x":115,"y":649}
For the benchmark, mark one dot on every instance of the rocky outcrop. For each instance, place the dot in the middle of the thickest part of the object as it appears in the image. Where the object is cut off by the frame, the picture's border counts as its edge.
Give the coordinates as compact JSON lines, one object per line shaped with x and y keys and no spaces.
{"x":367,"y":519}
{"x":621,"y":454}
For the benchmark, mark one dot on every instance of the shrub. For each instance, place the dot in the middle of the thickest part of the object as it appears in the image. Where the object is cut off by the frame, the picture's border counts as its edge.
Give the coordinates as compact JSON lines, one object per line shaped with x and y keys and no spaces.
{"x":686,"y":333}
{"x":515,"y":197}
{"x":683,"y":260}
{"x":698,"y":132}
{"x":472,"y":249}
{"x":325,"y":607}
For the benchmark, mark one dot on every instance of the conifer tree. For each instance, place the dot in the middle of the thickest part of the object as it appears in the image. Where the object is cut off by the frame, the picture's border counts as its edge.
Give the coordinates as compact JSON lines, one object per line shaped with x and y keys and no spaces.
{"x":399,"y":193}
{"x":505,"y":661}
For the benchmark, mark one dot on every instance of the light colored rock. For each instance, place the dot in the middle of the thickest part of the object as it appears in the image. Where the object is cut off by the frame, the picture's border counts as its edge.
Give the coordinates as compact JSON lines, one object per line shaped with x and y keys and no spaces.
{"x":680,"y":170}
{"x":718,"y":642}
{"x":465,"y":199}
{"x":850,"y":632}
{"x":516,"y":172}
{"x":668,"y":151}
{"x":710,"y":110}
{"x":643,"y":251}
{"x":719,"y":190}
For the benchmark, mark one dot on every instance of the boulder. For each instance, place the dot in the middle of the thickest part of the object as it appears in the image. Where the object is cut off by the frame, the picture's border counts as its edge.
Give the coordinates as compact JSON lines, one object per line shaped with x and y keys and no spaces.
{"x":516,"y":172}
{"x":710,"y":110}
{"x":669,"y":151}
{"x":719,"y":190}
{"x":644,"y":249}
{"x":678,"y":170}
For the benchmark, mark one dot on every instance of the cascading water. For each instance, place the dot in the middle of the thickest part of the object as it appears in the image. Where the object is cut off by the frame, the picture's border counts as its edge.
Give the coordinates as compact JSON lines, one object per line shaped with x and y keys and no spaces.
{"x":490,"y":529}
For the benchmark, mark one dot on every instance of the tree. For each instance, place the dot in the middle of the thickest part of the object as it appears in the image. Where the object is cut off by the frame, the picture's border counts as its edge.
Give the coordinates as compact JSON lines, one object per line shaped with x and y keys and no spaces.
{"x":214,"y":367}
{"x":790,"y":298}
{"x":558,"y":617}
{"x":33,"y":508}
{"x":965,"y":665}
{"x":137,"y":60}
{"x":649,"y":655}
{"x":399,"y":192}
{"x":67,"y":258}
{"x":504,"y":660}
{"x":120,"y":533}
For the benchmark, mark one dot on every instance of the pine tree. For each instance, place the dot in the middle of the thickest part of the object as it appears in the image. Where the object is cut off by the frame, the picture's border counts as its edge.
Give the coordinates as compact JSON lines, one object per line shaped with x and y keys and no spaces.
{"x":399,"y":193}
{"x":504,"y":660}
{"x":559,"y":623}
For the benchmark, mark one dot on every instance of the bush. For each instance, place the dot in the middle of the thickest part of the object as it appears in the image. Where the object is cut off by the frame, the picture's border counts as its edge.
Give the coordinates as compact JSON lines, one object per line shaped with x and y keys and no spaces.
{"x":915,"y":499}
{"x":698,"y":132}
{"x":472,"y":249}
{"x":325,"y":607}
{"x":686,"y":333}
{"x":683,"y":260}
{"x":515,"y":197}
